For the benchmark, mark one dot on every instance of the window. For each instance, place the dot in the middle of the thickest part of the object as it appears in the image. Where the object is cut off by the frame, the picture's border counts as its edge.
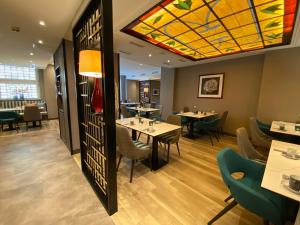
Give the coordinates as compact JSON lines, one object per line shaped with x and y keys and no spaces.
{"x":17,"y":82}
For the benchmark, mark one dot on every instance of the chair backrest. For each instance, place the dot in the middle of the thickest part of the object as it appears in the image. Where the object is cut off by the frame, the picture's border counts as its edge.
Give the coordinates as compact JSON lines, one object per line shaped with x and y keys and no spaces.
{"x":257,"y":136}
{"x":175,"y":120}
{"x":124,"y":112}
{"x":245,"y":147}
{"x":126,"y":145}
{"x":223,"y":119}
{"x":186,"y":109}
{"x":247,"y":191}
{"x":32,"y":113}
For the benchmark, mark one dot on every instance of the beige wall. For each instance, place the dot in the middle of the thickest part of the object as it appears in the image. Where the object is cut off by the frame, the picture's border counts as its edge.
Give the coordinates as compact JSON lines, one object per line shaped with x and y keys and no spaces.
{"x":280,"y":88}
{"x":240,"y":93}
{"x":167,"y":91}
{"x":72,"y":94}
{"x":50,"y":91}
{"x":132,"y":89}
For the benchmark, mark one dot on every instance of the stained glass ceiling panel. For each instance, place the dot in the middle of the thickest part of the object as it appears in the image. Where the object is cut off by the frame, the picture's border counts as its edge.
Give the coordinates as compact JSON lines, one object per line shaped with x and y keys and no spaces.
{"x":201,"y":29}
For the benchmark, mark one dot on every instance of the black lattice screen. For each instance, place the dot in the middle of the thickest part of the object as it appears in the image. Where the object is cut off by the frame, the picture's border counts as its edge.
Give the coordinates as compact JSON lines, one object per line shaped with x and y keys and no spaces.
{"x":97,"y":131}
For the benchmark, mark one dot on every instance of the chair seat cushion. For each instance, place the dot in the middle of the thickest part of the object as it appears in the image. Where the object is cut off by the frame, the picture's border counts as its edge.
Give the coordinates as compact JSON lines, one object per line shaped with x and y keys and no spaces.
{"x":7,"y":120}
{"x":167,"y":138}
{"x":141,"y":145}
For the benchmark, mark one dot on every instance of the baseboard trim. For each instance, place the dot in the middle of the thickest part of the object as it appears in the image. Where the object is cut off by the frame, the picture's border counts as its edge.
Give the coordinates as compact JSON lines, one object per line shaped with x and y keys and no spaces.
{"x":76,"y":151}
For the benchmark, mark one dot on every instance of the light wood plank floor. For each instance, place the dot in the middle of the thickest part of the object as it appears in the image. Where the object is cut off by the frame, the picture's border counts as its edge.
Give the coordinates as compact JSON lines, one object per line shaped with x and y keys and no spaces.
{"x":187,"y":191}
{"x":41,"y":184}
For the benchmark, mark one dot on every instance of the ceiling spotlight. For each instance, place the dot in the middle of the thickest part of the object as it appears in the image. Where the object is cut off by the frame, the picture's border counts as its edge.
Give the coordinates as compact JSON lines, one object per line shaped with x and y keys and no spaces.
{"x":40,"y":42}
{"x":169,"y":61}
{"x":150,"y":55}
{"x":31,"y":53}
{"x":42,"y":23}
{"x":141,"y":64}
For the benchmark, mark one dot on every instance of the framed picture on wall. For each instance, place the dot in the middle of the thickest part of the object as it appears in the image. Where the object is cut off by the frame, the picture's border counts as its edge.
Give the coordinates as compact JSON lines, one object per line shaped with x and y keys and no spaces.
{"x":155,"y":91}
{"x":211,"y":85}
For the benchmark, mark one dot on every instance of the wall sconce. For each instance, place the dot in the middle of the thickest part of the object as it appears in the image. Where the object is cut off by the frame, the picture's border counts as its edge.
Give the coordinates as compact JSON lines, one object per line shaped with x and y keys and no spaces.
{"x":90,"y":65}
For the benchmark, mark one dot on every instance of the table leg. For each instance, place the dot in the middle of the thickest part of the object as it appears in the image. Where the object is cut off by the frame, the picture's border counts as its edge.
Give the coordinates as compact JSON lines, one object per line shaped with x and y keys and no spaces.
{"x":297,"y":222}
{"x":190,"y":133}
{"x":133,"y":136}
{"x":156,"y":162}
{"x":147,"y":114}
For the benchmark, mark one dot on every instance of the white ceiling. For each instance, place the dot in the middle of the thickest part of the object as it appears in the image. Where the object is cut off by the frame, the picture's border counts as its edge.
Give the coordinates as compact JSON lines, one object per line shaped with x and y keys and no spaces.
{"x":125,"y":11}
{"x":134,"y":70}
{"x":15,"y":47}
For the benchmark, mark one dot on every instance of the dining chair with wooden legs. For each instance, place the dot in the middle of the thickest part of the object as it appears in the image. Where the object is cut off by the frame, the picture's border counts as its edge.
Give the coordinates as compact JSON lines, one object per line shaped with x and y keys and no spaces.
{"x":173,"y":137}
{"x":133,"y":150}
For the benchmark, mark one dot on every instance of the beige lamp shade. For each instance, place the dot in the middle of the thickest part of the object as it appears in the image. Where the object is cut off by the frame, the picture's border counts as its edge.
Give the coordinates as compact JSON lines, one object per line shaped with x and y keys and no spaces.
{"x":90,"y":63}
{"x":146,"y":89}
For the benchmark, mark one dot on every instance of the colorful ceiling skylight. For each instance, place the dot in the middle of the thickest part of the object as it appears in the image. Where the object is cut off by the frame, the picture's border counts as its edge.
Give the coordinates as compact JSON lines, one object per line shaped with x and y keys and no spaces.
{"x":201,"y":29}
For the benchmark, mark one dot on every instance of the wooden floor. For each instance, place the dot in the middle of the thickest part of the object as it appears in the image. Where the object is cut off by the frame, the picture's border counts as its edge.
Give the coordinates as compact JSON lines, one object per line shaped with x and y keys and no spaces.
{"x":187,"y":191}
{"x":41,"y":184}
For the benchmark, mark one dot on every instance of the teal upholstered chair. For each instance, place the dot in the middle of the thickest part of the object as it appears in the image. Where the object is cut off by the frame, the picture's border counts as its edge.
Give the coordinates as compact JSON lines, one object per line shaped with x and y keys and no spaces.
{"x":264,"y":127}
{"x":247,"y":191}
{"x":9,"y":117}
{"x":209,"y":127}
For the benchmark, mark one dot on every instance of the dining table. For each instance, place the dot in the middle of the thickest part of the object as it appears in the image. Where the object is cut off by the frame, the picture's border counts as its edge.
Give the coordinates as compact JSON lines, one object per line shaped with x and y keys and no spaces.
{"x":156,"y":130}
{"x":280,"y":166}
{"x":146,"y":110}
{"x":285,"y":128}
{"x":194,"y":116}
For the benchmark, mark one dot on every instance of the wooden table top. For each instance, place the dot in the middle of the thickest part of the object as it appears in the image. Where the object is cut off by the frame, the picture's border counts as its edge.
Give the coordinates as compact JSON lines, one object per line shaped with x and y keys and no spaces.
{"x":198,"y":115}
{"x":277,"y":165}
{"x":159,"y":128}
{"x":289,"y":128}
{"x":143,"y":109}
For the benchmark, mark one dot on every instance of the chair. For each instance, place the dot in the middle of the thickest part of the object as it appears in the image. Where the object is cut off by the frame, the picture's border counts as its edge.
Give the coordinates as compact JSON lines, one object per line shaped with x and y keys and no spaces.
{"x":222,"y":122}
{"x":209,"y":127}
{"x":32,"y":114}
{"x":258,"y":138}
{"x":247,"y":191}
{"x":124,"y":112}
{"x":157,"y":115}
{"x":245,"y":147}
{"x":9,"y":117}
{"x":173,"y":137}
{"x":264,"y":127}
{"x":133,"y":150}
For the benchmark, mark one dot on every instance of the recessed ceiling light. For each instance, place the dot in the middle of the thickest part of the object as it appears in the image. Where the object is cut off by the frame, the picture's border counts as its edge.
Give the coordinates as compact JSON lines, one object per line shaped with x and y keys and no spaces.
{"x":168,"y":61}
{"x":31,"y":53}
{"x":141,"y":64}
{"x":150,"y":55}
{"x":40,"y":42}
{"x":42,"y":23}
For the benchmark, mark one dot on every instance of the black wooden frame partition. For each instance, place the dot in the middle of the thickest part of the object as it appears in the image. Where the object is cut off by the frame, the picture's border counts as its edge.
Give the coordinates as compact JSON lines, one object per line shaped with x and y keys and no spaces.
{"x":94,"y":30}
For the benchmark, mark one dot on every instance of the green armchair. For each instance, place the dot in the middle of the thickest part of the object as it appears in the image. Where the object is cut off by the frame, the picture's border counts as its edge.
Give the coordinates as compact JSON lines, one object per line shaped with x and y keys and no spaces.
{"x":9,"y":117}
{"x":247,"y":191}
{"x":209,"y":127}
